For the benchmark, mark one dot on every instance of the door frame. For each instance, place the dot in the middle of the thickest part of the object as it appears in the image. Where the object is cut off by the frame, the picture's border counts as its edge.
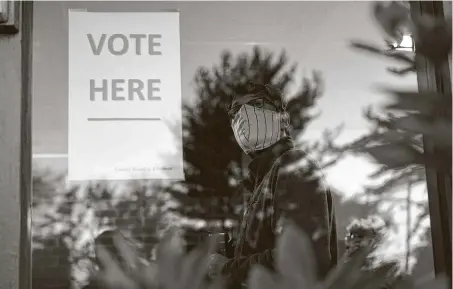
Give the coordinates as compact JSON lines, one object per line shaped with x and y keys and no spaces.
{"x":26,"y":178}
{"x":436,"y":77}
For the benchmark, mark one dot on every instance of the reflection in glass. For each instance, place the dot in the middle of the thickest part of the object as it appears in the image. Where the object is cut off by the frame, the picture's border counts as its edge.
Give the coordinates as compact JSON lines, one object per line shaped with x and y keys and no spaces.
{"x":68,"y":216}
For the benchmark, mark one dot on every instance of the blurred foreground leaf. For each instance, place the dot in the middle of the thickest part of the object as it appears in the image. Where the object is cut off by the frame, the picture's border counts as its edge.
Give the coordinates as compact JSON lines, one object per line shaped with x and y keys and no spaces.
{"x":393,"y":17}
{"x":395,"y":155}
{"x":294,"y":263}
{"x":394,"y":55}
{"x":179,"y":270}
{"x":296,"y":268}
{"x":433,"y":37}
{"x":437,"y":130}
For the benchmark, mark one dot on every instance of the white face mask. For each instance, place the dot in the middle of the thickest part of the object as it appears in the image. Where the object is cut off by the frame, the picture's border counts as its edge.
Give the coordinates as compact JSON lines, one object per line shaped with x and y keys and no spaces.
{"x":256,"y":128}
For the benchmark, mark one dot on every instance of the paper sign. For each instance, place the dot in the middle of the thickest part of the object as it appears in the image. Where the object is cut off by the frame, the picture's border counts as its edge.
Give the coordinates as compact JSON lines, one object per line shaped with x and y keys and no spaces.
{"x":124,"y":96}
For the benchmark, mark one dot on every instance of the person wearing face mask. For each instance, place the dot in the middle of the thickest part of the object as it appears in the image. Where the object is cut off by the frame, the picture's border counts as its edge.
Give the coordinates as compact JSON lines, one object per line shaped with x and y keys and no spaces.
{"x":284,"y":184}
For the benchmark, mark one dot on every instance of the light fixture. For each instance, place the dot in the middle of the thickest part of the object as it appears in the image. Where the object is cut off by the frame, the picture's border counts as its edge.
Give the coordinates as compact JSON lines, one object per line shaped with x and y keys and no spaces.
{"x":406,"y":44}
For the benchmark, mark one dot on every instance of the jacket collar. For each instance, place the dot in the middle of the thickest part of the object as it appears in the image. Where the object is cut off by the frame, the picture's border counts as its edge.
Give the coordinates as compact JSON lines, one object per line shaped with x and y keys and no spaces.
{"x":262,"y":163}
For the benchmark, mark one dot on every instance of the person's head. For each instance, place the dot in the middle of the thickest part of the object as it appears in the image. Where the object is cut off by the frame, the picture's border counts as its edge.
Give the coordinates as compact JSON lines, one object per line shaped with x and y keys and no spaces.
{"x":258,"y":118}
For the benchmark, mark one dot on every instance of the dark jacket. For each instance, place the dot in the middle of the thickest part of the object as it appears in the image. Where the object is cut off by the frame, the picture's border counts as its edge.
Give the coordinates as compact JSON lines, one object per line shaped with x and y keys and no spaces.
{"x":277,"y":191}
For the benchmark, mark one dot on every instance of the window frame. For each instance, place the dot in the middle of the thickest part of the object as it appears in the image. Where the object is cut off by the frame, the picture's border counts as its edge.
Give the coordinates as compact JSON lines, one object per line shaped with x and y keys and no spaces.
{"x":16,"y":44}
{"x":26,"y":29}
{"x":436,"y":77}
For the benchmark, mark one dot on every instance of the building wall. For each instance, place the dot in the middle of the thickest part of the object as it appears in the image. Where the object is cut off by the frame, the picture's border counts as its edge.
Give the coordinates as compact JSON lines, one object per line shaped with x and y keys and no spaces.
{"x":10,"y":114}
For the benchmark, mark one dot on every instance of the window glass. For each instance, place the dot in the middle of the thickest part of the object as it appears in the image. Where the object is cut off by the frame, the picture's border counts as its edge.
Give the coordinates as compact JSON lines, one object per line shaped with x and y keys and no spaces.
{"x":68,"y":216}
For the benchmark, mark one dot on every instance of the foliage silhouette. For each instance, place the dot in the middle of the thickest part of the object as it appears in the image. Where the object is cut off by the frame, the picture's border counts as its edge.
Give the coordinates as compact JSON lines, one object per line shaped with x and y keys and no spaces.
{"x":176,"y":269}
{"x":397,"y":139}
{"x":213,"y":160}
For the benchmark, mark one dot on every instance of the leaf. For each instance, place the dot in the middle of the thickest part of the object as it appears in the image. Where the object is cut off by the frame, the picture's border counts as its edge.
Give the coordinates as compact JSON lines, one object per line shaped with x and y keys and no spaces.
{"x":393,"y":18}
{"x":414,"y":105}
{"x":401,"y":56}
{"x":408,"y":100}
{"x":113,"y":276}
{"x":376,"y":278}
{"x":294,"y":256}
{"x":402,"y":71}
{"x":433,"y":37}
{"x":404,"y":282}
{"x":395,"y":155}
{"x":370,"y":48}
{"x":415,"y":174}
{"x":219,"y":283}
{"x":367,"y":47}
{"x":348,"y":272}
{"x":390,"y":136}
{"x":438,"y":130}
{"x":169,"y":258}
{"x":195,"y":265}
{"x":262,"y":278}
{"x":149,"y":276}
{"x":178,"y":270}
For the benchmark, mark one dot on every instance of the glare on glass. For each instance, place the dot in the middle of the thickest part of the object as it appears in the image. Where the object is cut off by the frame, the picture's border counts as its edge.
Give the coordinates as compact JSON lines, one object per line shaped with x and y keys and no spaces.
{"x":406,"y":44}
